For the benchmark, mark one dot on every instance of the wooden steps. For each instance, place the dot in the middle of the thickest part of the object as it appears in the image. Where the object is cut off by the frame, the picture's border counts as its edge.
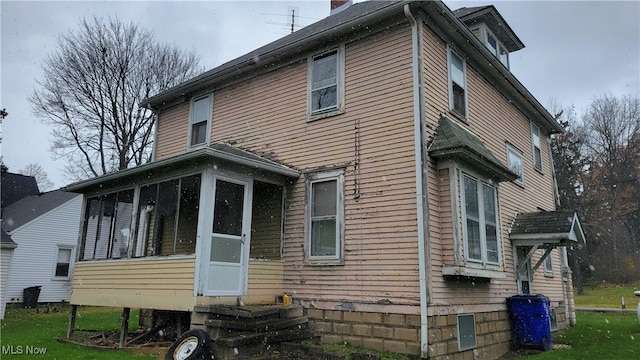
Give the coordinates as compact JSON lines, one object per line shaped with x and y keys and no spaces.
{"x":242,"y":332}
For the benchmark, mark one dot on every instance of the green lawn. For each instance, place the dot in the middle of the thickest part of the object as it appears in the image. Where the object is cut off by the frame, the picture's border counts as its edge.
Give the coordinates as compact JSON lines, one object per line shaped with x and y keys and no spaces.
{"x":598,"y":336}
{"x":27,"y":334}
{"x":609,"y":296}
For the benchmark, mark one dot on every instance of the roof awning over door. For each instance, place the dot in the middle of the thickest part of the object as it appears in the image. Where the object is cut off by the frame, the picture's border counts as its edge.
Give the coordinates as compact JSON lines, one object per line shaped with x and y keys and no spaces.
{"x":546,"y":230}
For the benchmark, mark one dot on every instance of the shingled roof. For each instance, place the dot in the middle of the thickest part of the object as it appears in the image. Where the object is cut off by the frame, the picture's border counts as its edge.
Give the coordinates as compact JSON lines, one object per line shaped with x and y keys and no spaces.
{"x":547,"y":227}
{"x":454,"y":141}
{"x":31,"y":207}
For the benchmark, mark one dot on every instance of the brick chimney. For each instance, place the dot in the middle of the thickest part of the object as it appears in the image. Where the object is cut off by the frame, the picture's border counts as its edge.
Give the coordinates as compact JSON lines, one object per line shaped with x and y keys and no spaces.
{"x":339,"y":5}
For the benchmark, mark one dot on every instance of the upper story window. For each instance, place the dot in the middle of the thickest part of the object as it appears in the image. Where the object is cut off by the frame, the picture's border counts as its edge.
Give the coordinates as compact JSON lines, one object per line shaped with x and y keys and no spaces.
{"x":514,"y":161}
{"x":480,"y":220}
{"x":326,"y":83}
{"x":535,"y":143}
{"x":457,"y":84}
{"x":492,"y":43}
{"x":199,"y":121}
{"x":325,"y":216}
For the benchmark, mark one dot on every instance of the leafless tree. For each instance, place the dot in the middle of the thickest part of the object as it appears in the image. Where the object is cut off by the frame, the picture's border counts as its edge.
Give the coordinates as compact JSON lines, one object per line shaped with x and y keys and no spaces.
{"x":612,"y":185}
{"x":35,"y":170}
{"x":91,"y":90}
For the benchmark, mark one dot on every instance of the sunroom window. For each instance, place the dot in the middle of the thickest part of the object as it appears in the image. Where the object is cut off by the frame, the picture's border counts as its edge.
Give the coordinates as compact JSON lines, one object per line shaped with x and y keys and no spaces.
{"x":166,"y":223}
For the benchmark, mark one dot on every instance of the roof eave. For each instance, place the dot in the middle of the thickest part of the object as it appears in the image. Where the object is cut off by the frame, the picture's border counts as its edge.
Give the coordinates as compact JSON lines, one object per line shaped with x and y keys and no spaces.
{"x":482,"y":55}
{"x":227,"y":70}
{"x":205,"y":152}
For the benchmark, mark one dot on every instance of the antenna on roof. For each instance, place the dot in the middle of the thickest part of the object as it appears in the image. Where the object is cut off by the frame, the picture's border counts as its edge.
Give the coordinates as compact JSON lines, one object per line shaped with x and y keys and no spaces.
{"x":293,"y":19}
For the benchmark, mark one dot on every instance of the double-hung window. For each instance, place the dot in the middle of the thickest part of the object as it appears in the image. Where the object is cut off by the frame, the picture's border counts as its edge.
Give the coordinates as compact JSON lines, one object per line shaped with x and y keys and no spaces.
{"x":514,"y":161}
{"x":326,"y":82}
{"x":324,"y":216}
{"x":535,"y":143}
{"x":480,"y":221}
{"x":457,"y":84}
{"x":63,"y":262}
{"x":199,"y":121}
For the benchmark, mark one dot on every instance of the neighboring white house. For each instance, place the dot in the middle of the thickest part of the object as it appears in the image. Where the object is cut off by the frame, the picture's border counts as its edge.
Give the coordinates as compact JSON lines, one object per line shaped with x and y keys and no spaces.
{"x":7,"y":247}
{"x":45,"y":229}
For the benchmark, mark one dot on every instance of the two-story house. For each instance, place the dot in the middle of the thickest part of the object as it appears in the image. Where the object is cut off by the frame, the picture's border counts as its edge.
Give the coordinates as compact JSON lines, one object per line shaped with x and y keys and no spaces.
{"x":382,"y":167}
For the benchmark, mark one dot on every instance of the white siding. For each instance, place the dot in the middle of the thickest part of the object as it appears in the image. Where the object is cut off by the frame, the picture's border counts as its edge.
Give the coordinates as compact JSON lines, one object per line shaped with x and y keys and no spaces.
{"x":34,"y":259}
{"x":5,"y":264}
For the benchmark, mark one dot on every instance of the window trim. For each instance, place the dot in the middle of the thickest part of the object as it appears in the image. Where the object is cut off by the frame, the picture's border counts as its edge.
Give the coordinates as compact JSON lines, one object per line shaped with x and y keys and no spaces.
{"x":511,"y":149}
{"x":483,"y":36}
{"x":547,"y":265}
{"x":534,"y":146}
{"x":483,"y":262}
{"x":191,"y":119}
{"x":72,"y":254}
{"x":464,"y":116}
{"x":338,"y":258}
{"x":340,"y":81}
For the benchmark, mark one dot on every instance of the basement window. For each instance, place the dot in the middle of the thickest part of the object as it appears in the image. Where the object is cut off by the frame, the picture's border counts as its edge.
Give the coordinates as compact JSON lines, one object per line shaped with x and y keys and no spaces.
{"x":466,"y":331}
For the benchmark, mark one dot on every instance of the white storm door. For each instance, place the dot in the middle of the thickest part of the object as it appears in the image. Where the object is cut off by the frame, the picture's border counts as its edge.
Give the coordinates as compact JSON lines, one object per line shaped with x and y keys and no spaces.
{"x":229,"y":248}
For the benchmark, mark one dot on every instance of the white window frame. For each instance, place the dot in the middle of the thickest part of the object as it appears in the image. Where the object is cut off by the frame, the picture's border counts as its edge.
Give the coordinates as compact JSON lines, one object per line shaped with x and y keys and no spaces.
{"x":195,"y":99}
{"x":483,"y":35}
{"x":339,"y":106}
{"x":71,"y":262}
{"x":548,"y":265}
{"x":482,"y":221}
{"x":512,"y":154}
{"x":535,"y":145}
{"x":338,"y":177}
{"x":450,"y":55}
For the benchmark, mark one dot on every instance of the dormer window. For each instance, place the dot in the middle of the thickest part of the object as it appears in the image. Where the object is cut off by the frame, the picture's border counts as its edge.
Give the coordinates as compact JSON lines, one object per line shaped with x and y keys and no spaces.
{"x":492,"y":43}
{"x":486,"y":23}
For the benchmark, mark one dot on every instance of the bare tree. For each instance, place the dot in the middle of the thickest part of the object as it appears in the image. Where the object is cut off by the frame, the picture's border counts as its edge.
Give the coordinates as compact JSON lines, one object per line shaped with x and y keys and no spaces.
{"x":35,"y":170}
{"x":91,"y":90}
{"x":612,"y":186}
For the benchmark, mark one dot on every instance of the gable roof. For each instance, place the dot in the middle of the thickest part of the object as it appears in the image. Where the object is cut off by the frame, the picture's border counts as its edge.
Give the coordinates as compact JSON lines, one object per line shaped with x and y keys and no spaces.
{"x":31,"y":207}
{"x":454,"y":141}
{"x":490,"y":16}
{"x":558,"y":227}
{"x":362,"y":17}
{"x":16,"y":186}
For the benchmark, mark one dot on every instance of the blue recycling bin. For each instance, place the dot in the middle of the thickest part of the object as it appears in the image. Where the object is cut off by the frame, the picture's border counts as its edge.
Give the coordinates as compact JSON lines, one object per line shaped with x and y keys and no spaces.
{"x":530,"y":321}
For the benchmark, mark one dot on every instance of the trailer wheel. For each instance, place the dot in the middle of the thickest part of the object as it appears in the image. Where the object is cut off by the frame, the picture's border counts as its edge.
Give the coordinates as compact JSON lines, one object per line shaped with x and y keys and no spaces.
{"x":192,"y":345}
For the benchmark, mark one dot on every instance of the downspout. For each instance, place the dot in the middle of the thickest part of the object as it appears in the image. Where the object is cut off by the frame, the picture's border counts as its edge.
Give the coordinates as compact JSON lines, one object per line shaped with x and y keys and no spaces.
{"x":420,"y":199}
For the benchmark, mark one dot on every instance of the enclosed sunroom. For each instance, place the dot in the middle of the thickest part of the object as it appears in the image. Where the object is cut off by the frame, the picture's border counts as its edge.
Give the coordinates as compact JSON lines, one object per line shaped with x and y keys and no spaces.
{"x":200,"y":228}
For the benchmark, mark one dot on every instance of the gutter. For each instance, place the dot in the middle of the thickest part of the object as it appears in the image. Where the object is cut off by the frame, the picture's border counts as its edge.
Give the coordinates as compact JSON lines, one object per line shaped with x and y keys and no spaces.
{"x":420,"y":180}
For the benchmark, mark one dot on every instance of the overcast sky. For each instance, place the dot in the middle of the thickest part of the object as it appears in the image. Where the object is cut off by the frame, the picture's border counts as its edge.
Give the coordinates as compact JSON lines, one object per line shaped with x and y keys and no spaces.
{"x":574,"y":50}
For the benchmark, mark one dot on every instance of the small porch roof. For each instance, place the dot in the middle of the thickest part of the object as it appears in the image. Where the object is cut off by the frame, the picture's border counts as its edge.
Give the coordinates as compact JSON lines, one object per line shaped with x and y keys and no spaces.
{"x":454,"y":141}
{"x":547,"y":229}
{"x":216,"y":152}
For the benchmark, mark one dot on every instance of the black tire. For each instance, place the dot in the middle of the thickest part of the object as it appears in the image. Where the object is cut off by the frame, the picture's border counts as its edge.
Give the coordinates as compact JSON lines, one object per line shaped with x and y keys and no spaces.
{"x":546,"y":344}
{"x":192,"y":345}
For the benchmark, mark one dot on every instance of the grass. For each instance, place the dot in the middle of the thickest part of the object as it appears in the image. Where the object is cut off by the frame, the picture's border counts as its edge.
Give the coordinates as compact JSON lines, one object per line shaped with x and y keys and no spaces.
{"x":599,"y":336}
{"x":608,"y":296}
{"x":25,"y":333}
